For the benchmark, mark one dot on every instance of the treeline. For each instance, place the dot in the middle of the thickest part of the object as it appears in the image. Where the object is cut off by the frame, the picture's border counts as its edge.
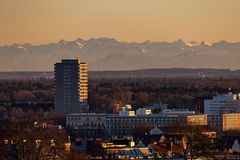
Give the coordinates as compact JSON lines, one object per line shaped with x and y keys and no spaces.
{"x":109,"y":95}
{"x":28,"y":90}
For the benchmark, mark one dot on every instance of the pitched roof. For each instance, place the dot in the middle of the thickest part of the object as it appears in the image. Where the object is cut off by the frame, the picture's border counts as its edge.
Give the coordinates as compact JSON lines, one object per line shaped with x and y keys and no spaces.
{"x":236,"y":146}
{"x":156,"y":131}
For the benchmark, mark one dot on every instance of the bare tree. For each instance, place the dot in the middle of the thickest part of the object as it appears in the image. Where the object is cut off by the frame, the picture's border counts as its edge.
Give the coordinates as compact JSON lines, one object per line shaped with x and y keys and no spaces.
{"x":194,"y":143}
{"x":29,"y":137}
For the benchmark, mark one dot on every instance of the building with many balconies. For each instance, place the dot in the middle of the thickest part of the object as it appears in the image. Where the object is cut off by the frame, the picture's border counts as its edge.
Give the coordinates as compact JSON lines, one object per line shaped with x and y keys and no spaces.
{"x":71,"y":86}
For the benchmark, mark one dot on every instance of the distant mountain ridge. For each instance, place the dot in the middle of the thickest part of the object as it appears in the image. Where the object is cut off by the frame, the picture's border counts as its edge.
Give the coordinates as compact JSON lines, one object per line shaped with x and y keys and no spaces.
{"x":109,"y":54}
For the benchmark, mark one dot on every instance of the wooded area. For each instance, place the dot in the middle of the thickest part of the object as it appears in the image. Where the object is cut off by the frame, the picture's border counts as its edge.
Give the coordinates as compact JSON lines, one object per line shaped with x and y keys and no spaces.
{"x":108,"y":95}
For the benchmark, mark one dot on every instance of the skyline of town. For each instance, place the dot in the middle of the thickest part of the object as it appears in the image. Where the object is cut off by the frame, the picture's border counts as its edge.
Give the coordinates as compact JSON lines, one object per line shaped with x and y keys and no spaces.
{"x":119,"y":79}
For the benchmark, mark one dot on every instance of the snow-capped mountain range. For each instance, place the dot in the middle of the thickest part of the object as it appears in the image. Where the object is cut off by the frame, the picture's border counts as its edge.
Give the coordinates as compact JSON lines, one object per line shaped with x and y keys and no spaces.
{"x":110,"y":54}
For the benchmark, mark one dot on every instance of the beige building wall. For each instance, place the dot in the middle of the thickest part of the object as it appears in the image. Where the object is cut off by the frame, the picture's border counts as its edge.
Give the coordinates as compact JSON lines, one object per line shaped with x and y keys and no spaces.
{"x":83,"y":82}
{"x":197,"y":119}
{"x":231,"y":121}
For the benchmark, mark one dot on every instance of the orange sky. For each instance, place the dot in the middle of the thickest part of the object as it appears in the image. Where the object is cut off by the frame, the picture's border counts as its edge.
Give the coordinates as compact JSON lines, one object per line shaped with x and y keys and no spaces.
{"x":43,"y":21}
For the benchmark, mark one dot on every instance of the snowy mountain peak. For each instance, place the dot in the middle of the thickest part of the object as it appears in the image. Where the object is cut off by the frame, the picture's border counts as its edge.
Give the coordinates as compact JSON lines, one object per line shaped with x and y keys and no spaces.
{"x":79,"y":44}
{"x":180,"y":42}
{"x":193,"y":43}
{"x":62,"y":42}
{"x":20,"y":47}
{"x":196,"y":43}
{"x":205,"y":43}
{"x":110,"y":54}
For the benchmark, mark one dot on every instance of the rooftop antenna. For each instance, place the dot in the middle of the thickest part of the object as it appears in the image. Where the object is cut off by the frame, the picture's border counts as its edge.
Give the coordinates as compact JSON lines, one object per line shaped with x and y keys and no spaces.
{"x":230,"y":88}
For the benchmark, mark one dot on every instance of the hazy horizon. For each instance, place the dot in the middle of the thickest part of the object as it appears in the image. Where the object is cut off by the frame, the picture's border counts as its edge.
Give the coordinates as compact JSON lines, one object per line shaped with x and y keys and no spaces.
{"x":40,"y":22}
{"x":123,"y":41}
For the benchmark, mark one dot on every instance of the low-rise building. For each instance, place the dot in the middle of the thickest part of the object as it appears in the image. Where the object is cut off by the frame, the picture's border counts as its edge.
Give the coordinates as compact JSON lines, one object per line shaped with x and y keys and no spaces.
{"x":86,"y":124}
{"x":215,"y":122}
{"x":124,"y":123}
{"x":98,"y":125}
{"x":143,"y":111}
{"x":231,"y":121}
{"x":224,"y":122}
{"x":197,"y":119}
{"x":178,"y":111}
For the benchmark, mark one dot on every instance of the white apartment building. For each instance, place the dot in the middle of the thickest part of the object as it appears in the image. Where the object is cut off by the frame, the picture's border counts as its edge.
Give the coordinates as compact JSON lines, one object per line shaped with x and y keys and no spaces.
{"x":226,"y":103}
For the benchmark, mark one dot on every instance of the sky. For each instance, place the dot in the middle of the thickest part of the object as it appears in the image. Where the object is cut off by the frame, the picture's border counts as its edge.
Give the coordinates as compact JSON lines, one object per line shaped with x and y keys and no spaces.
{"x":44,"y":21}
